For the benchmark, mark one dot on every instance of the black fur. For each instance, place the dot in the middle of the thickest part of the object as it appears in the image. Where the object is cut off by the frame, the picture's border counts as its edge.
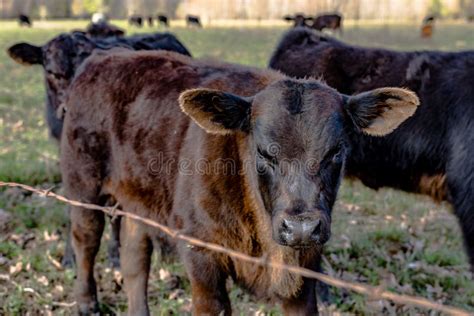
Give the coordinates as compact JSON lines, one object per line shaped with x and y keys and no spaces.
{"x":25,"y":53}
{"x":294,"y":97}
{"x":366,"y":107}
{"x":162,"y":41}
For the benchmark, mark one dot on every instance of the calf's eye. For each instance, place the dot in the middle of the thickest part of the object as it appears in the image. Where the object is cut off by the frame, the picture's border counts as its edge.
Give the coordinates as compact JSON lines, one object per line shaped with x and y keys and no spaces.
{"x":338,"y":154}
{"x":54,"y":75}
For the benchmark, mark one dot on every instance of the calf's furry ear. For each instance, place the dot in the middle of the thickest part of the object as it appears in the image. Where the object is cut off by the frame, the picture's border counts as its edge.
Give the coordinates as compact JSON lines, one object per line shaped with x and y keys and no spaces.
{"x":378,"y":112}
{"x":216,"y":111}
{"x":26,"y":54}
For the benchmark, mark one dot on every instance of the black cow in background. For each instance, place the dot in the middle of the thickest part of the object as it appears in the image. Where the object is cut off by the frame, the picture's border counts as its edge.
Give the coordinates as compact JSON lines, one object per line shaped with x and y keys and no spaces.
{"x":104,"y":30}
{"x":299,"y":20}
{"x":135,"y":20}
{"x":193,"y":20}
{"x":154,"y":41}
{"x":60,"y":58}
{"x":429,"y":19}
{"x":163,"y":20}
{"x":24,"y":20}
{"x":432,"y":152}
{"x":150,"y":21}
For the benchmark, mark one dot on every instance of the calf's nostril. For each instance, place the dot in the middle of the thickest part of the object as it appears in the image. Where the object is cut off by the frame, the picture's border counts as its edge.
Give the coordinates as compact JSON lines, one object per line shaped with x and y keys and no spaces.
{"x":285,"y":226}
{"x":290,"y":232}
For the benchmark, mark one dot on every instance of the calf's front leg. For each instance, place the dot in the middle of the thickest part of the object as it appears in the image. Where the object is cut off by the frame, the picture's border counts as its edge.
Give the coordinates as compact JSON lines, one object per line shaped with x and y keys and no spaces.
{"x":208,"y":283}
{"x":303,"y":304}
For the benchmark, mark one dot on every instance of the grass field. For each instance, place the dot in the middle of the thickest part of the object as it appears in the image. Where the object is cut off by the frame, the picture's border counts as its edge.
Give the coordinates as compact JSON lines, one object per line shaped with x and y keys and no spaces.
{"x":401,"y":241}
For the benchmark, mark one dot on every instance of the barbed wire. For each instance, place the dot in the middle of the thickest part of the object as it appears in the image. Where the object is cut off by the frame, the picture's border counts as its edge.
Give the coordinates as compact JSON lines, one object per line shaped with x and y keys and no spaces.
{"x":373,"y":292}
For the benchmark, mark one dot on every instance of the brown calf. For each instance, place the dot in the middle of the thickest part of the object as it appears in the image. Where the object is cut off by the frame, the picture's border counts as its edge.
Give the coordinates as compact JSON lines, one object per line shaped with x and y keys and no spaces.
{"x":426,"y":30}
{"x":247,"y":158}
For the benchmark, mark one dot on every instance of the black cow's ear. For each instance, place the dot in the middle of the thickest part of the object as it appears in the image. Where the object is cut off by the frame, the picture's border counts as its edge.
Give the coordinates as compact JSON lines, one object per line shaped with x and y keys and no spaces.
{"x":26,"y":54}
{"x":378,"y":112}
{"x":215,"y":111}
{"x":288,"y":18}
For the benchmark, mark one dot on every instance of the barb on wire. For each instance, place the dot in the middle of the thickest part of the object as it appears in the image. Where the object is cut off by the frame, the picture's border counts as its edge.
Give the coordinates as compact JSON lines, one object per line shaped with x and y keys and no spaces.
{"x":370,"y":291}
{"x":113,"y":212}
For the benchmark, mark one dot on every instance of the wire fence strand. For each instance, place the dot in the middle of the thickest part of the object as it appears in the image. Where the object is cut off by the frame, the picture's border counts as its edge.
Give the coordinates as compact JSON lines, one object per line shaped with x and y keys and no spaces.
{"x":375,"y":293}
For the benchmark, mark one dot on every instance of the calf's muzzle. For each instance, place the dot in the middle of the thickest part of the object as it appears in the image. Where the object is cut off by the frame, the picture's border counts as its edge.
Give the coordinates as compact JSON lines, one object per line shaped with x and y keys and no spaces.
{"x":303,"y":230}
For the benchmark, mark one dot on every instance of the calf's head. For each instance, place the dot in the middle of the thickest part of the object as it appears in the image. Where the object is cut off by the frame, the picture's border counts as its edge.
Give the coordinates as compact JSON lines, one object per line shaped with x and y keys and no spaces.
{"x":296,"y":133}
{"x":59,"y":58}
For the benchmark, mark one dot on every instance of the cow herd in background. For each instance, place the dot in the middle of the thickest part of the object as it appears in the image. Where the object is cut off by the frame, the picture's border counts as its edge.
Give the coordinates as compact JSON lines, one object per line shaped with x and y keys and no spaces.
{"x":333,"y":21}
{"x":163,"y":20}
{"x":133,"y":20}
{"x":330,"y":21}
{"x":115,"y":101}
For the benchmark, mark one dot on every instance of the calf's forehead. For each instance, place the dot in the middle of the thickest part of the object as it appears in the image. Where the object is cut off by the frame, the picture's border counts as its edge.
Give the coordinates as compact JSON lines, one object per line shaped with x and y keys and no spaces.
{"x":57,"y":52}
{"x":302,"y":115}
{"x":60,"y":43}
{"x":296,"y":104}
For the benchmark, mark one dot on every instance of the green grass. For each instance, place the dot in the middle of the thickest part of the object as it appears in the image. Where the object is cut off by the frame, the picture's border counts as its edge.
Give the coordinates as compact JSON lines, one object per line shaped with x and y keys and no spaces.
{"x":402,"y":241}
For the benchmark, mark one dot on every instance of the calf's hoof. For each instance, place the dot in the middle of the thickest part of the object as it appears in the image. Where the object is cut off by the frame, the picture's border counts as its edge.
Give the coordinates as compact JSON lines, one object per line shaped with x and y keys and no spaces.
{"x":68,"y":261}
{"x":89,"y":309}
{"x":114,"y":257}
{"x":324,"y":296}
